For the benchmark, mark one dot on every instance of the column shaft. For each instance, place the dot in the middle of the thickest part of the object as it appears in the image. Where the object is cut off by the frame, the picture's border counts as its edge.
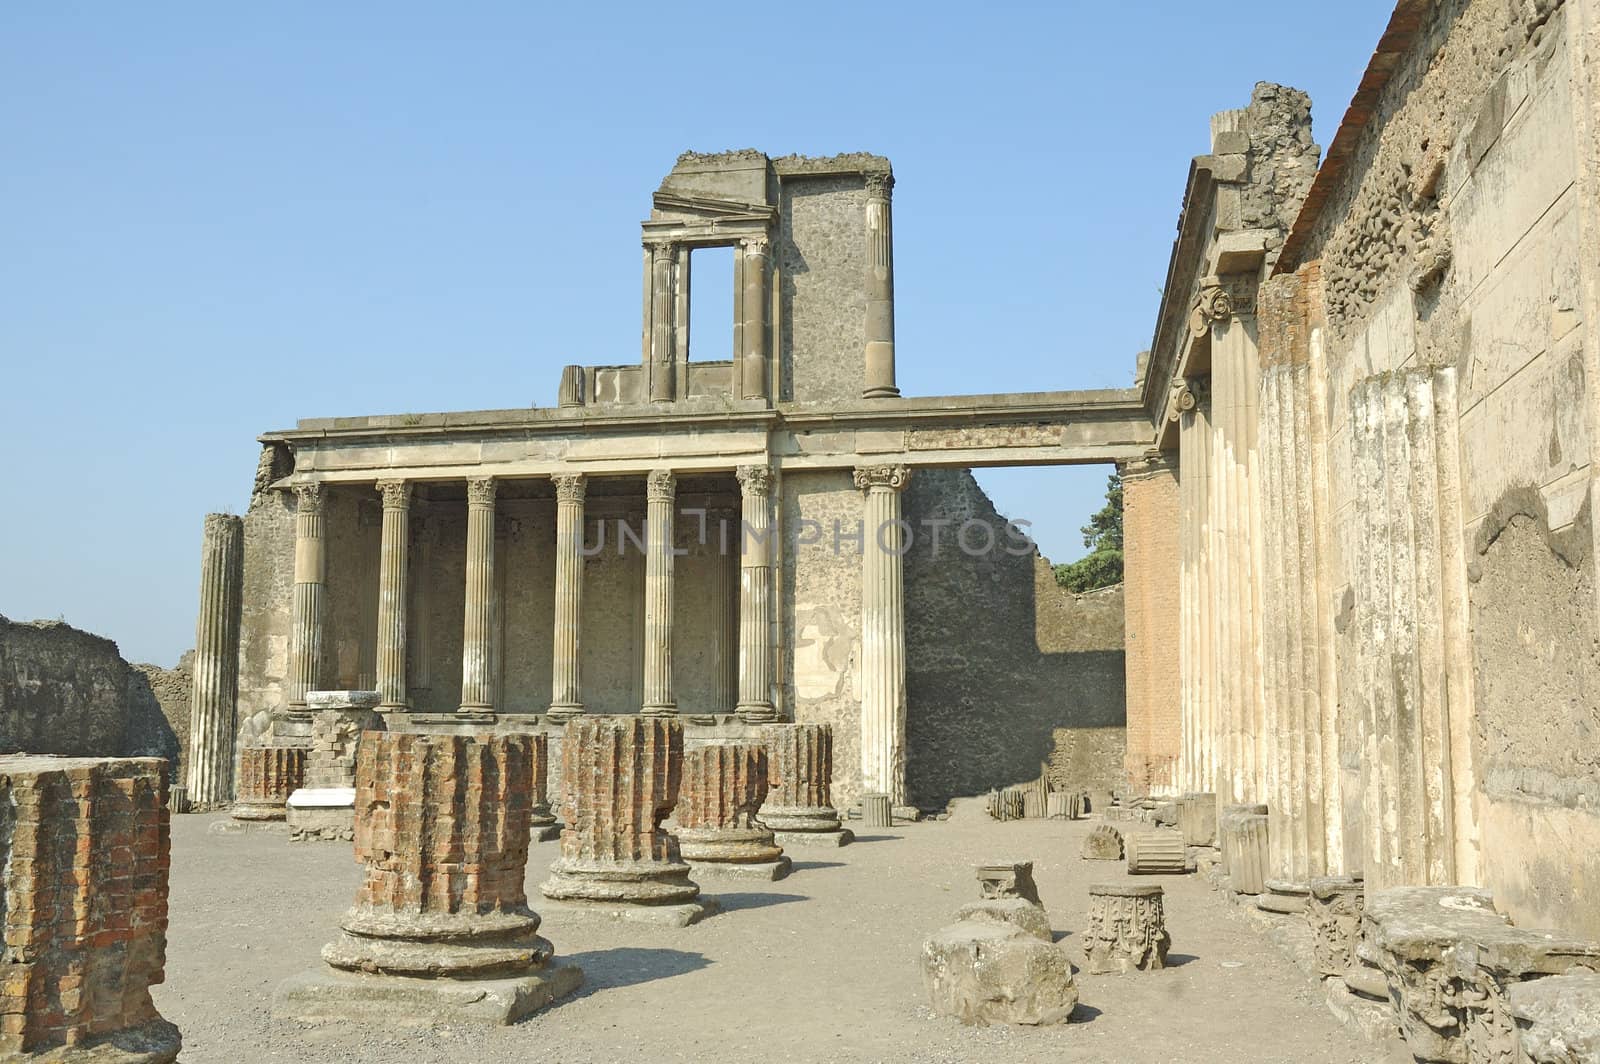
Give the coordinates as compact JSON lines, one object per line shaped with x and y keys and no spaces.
{"x":659,"y":552}
{"x":879,"y":363}
{"x":883,"y":641}
{"x":662,"y":371}
{"x":215,"y":691}
{"x":753,"y":358}
{"x":393,"y":582}
{"x":566,"y":689}
{"x":310,"y":578}
{"x":477,"y":639}
{"x":755,"y":595}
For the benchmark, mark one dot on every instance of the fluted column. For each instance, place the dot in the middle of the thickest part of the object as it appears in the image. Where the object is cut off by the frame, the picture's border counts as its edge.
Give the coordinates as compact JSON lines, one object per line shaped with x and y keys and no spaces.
{"x":215,"y":690}
{"x":883,"y":636}
{"x":662,"y":371}
{"x":566,"y":686}
{"x":393,"y":580}
{"x":660,"y":488}
{"x":310,"y":594}
{"x":725,"y":596}
{"x":477,"y":638}
{"x":755,"y":595}
{"x":879,"y":378}
{"x":753,"y":359}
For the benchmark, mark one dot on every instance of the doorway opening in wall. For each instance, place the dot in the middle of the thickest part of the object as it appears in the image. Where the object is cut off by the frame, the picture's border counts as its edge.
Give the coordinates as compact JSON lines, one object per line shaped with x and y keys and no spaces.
{"x":711,"y":303}
{"x":1069,"y":510}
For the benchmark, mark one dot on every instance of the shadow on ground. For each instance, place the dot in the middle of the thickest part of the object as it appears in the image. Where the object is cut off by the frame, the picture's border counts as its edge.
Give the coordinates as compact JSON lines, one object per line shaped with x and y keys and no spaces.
{"x":812,"y":866}
{"x":608,"y":969}
{"x":753,"y":900}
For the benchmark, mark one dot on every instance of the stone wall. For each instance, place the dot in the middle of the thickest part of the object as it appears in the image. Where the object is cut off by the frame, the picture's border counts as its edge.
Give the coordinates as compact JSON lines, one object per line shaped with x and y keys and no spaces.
{"x":822,"y":298}
{"x":171,"y":690}
{"x":65,"y":691}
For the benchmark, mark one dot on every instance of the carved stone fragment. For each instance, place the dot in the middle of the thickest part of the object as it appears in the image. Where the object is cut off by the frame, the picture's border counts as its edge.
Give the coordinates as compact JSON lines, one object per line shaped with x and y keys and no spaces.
{"x":1127,"y":928}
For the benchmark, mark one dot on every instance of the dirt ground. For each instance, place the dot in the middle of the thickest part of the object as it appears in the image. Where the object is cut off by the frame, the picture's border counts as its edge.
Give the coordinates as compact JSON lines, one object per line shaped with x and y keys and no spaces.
{"x":821,"y":966}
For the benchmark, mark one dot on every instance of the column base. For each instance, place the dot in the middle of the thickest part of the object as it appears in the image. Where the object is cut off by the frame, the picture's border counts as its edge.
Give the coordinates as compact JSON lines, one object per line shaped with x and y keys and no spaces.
{"x":475,"y":708}
{"x":156,"y":1042}
{"x":841,"y":837}
{"x":659,"y":709}
{"x":392,"y":707}
{"x":881,"y":393}
{"x":259,"y":810}
{"x":547,"y":832}
{"x":757,"y":713}
{"x":328,"y":994}
{"x":564,"y":711}
{"x":681,"y":914}
{"x":764,"y":871}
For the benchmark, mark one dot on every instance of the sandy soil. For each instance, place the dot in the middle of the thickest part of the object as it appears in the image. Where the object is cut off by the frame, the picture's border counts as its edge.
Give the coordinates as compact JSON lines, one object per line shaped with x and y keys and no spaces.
{"x":821,"y":966}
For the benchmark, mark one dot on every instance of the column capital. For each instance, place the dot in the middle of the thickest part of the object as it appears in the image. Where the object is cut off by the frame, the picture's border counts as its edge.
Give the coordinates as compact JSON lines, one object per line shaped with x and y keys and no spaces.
{"x":481,"y":491}
{"x":1222,"y":299}
{"x":754,"y":479}
{"x":660,"y":485}
{"x":755,"y":246}
{"x":893,"y":477}
{"x":880,"y":185}
{"x":396,"y":494}
{"x":570,"y":487}
{"x":660,"y":248}
{"x":1185,"y":395}
{"x":309,"y":497}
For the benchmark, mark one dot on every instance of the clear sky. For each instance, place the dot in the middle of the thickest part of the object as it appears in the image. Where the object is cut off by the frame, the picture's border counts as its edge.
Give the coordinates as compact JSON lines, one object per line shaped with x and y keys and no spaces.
{"x":218,"y":218}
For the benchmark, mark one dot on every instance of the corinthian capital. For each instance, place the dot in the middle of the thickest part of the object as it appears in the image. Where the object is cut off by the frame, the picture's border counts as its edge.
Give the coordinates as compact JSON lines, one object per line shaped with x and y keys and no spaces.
{"x":396,"y":494}
{"x":480,"y":491}
{"x":880,"y":185}
{"x":570,"y":487}
{"x":660,"y":485}
{"x":308,"y":498}
{"x":755,"y":247}
{"x":754,"y":479}
{"x":893,"y":477}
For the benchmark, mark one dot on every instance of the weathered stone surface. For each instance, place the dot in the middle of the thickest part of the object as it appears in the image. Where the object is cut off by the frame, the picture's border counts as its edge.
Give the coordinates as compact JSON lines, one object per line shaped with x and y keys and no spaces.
{"x":1242,"y":830}
{"x":1283,"y":897}
{"x":84,"y":851}
{"x":1156,"y":853}
{"x":542,"y":818}
{"x":1197,"y":819}
{"x":267,"y":776}
{"x":799,"y":806}
{"x":621,"y":776}
{"x":440,"y":925}
{"x":1104,"y":843}
{"x":984,"y":972}
{"x":1127,"y":928}
{"x":1558,"y":1019}
{"x":724,"y":784}
{"x":1030,"y":916}
{"x":1333,"y":910}
{"x":1008,"y":879}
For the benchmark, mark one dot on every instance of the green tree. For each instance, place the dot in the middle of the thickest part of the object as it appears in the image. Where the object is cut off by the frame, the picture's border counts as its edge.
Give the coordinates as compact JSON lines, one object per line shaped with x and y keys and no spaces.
{"x":1102,"y":566}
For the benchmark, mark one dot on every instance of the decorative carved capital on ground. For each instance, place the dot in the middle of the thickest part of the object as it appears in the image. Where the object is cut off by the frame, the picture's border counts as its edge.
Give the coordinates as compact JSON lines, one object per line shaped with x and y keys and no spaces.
{"x":396,"y":494}
{"x":754,"y":479}
{"x":893,"y":477}
{"x":480,"y":491}
{"x":660,"y":485}
{"x":570,"y":487}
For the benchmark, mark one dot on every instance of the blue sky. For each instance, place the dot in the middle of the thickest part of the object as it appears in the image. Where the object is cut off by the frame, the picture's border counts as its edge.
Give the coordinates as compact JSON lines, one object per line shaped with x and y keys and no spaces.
{"x":218,"y":218}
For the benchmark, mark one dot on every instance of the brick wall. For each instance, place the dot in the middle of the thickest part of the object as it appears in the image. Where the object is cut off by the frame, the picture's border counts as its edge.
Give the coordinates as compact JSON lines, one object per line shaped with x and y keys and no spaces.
{"x":1150,"y":581}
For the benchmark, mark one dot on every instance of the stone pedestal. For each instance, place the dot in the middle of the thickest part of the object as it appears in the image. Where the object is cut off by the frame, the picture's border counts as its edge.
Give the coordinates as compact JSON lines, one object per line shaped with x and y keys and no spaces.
{"x":799,"y":806}
{"x":543,"y":820}
{"x":876,"y":812}
{"x":324,"y":807}
{"x":1242,"y":830}
{"x":208,"y":778}
{"x":621,"y":777}
{"x":724,"y":784}
{"x":1333,"y":910}
{"x":267,"y":776}
{"x":83,"y":878}
{"x":1127,"y":928}
{"x":1007,"y":895}
{"x":1156,"y":853}
{"x":440,"y":929}
{"x":1197,"y":819}
{"x":1104,"y":843}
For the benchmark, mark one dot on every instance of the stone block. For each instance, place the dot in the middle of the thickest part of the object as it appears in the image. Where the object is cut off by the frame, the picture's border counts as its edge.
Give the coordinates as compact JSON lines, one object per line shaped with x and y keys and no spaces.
{"x":1283,"y":897}
{"x":84,"y":854}
{"x":322,"y":814}
{"x":984,"y":972}
{"x":1557,"y":1019}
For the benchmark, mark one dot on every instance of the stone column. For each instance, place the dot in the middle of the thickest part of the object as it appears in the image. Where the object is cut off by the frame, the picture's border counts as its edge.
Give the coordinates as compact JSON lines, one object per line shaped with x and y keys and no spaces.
{"x":660,"y":488}
{"x":1242,"y":830}
{"x":1150,"y":499}
{"x":267,"y":776}
{"x":621,"y":775}
{"x":441,"y":923}
{"x":310,"y":594}
{"x":477,"y":639}
{"x":724,"y":784}
{"x":753,"y":358}
{"x":1127,"y":928}
{"x":215,"y":692}
{"x":726,"y":595}
{"x":83,"y":872}
{"x":393,"y":583}
{"x":879,"y":378}
{"x":799,"y":806}
{"x":1191,"y":406}
{"x":755,"y":595}
{"x":662,"y":371}
{"x":544,"y":824}
{"x":883,"y":636}
{"x":566,"y":687}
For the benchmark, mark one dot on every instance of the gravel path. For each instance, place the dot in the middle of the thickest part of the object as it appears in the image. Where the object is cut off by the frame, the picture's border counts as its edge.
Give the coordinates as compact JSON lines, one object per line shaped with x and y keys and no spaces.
{"x":818,"y":967}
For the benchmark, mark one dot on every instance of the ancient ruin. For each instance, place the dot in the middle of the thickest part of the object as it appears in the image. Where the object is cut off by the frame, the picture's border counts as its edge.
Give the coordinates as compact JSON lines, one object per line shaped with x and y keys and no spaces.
{"x":1127,"y":928}
{"x":724,"y":784}
{"x":267,"y":776}
{"x":83,"y":909}
{"x":1104,"y":843}
{"x":440,"y":928}
{"x":799,"y":806}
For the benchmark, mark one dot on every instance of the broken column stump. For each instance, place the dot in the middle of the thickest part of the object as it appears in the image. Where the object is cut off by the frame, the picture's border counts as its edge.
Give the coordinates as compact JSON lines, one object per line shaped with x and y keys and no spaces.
{"x":324,"y":807}
{"x":267,"y":776}
{"x":876,"y":811}
{"x":799,"y":806}
{"x":1197,"y":819}
{"x":84,"y":851}
{"x":440,"y":930}
{"x":621,"y":776}
{"x":724,"y":784}
{"x":1127,"y":928}
{"x":1104,"y":843}
{"x":1155,"y":853}
{"x":545,"y":826}
{"x":1242,"y":830}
